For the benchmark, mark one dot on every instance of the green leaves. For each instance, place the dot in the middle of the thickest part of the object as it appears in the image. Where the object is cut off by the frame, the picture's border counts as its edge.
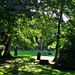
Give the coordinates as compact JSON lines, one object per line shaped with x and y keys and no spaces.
{"x":1,"y":29}
{"x":73,"y":0}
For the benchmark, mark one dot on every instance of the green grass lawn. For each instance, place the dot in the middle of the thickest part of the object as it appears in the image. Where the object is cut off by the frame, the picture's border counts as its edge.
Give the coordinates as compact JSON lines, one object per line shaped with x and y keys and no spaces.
{"x":32,"y":53}
{"x":28,"y":66}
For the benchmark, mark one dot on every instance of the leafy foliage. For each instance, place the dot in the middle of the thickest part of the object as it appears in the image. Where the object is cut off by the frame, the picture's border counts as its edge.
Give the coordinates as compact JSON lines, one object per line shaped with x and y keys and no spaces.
{"x":67,"y":53}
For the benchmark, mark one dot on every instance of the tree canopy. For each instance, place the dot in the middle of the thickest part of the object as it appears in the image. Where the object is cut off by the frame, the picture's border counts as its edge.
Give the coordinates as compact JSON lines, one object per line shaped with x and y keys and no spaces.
{"x":25,"y":22}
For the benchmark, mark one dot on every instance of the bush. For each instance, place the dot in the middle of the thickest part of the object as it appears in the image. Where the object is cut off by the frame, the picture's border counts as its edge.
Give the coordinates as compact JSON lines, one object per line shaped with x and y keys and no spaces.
{"x":66,"y":58}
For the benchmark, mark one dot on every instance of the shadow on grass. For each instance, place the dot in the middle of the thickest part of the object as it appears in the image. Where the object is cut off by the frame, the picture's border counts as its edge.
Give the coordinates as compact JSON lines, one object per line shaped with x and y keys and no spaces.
{"x":28,"y":66}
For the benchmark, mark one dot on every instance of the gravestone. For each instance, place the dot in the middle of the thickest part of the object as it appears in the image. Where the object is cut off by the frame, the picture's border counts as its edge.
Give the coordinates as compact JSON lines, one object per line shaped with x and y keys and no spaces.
{"x":44,"y":62}
{"x":15,"y":52}
{"x":38,"y":56}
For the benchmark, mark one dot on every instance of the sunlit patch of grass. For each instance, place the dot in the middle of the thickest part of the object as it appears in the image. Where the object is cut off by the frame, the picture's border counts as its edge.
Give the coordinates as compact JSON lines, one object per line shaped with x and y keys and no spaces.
{"x":1,"y":73}
{"x":2,"y":52}
{"x":22,"y":56}
{"x":25,"y":52}
{"x":31,"y":53}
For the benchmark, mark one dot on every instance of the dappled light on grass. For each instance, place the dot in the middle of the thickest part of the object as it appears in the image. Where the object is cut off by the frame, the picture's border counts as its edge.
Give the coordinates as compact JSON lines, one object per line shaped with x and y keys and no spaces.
{"x":57,"y":72}
{"x":7,"y":66}
{"x":28,"y":66}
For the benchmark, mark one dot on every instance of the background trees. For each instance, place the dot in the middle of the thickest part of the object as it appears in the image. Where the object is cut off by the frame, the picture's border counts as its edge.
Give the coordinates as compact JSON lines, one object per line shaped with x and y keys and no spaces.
{"x":56,"y":9}
{"x":11,"y":11}
{"x":31,"y":28}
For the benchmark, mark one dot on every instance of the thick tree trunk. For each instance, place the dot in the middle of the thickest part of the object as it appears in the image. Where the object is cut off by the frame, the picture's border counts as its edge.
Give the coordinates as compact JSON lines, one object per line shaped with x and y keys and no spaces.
{"x":8,"y":48}
{"x":58,"y":34}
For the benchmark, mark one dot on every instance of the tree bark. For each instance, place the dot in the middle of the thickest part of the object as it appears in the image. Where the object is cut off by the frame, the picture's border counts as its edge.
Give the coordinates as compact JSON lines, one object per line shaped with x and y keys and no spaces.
{"x":36,"y":39}
{"x":41,"y":42}
{"x":43,"y":46}
{"x":37,"y":42}
{"x":8,"y":48}
{"x":58,"y":33}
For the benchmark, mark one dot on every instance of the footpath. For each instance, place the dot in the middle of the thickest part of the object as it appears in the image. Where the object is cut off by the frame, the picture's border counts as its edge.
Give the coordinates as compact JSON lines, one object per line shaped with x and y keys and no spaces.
{"x":50,"y":58}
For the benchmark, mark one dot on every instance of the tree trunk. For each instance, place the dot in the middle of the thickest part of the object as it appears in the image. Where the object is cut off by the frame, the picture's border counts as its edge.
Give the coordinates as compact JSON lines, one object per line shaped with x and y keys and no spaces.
{"x":37,"y":42}
{"x":58,"y":34}
{"x":41,"y":42}
{"x":43,"y":46}
{"x":8,"y":48}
